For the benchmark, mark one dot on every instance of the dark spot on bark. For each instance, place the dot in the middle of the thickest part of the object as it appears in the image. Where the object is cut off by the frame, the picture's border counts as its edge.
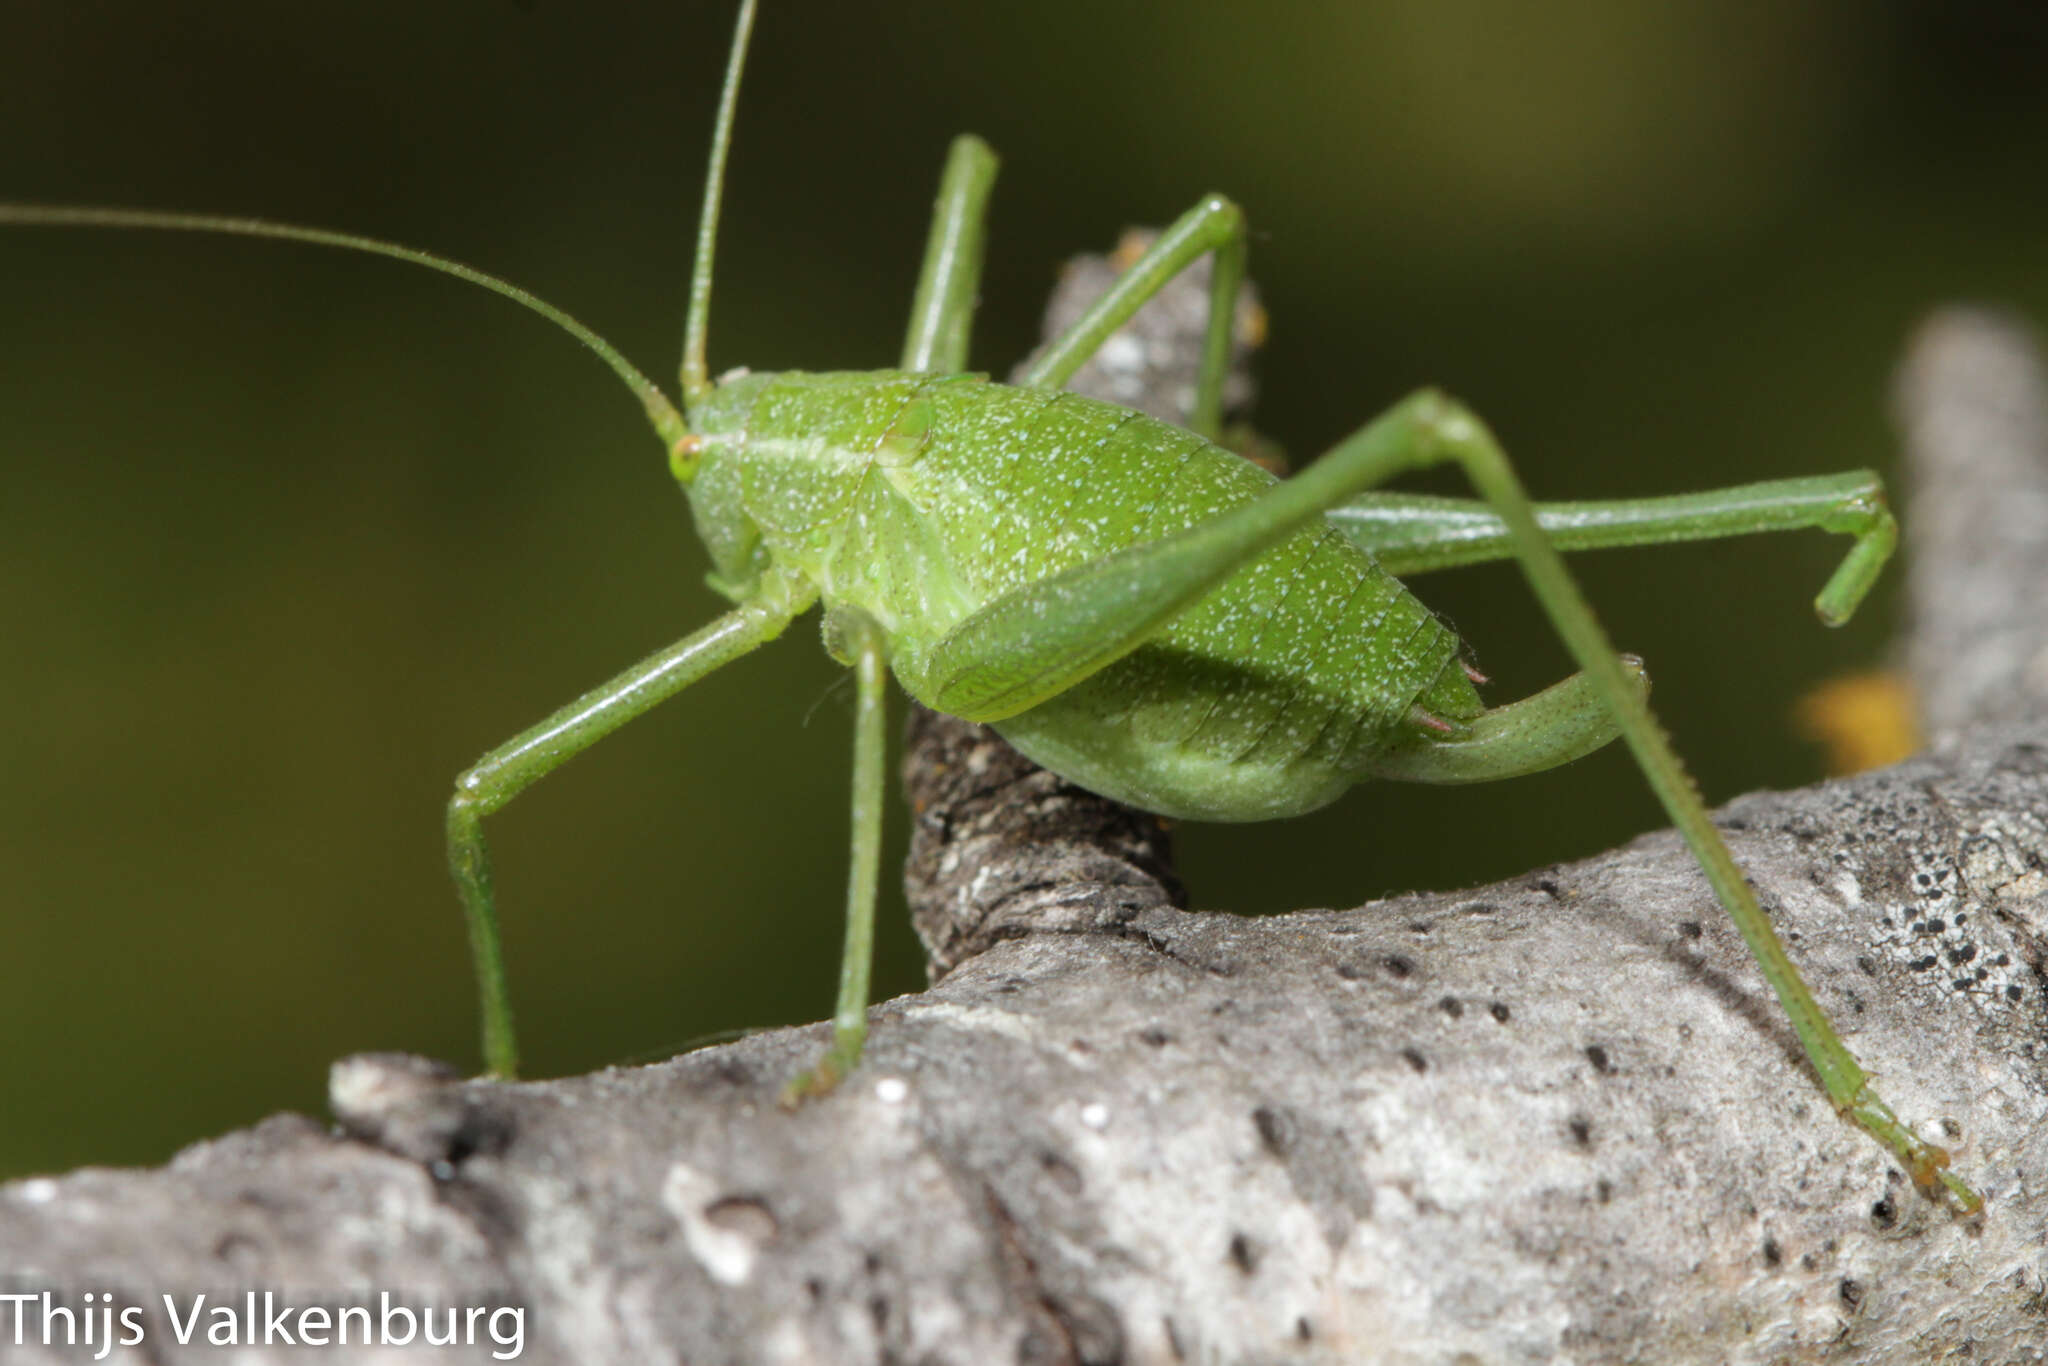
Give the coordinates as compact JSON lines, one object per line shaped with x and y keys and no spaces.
{"x":1922,"y":964}
{"x":1962,"y":918}
{"x":1241,"y":1254}
{"x":1302,"y":1331}
{"x":1451,"y":1006}
{"x":1809,"y":1262}
{"x":878,"y":1310}
{"x":235,"y":1247}
{"x":1481,"y":908}
{"x":1733,"y":823}
{"x":872,"y":1262}
{"x":1773,"y":1254}
{"x":1597,"y":1055}
{"x":1869,"y":968}
{"x":1582,"y":1130}
{"x":733,"y":1072}
{"x":1951,"y":1128}
{"x":1274,"y":1130}
{"x":1691,"y":929}
{"x":1962,"y":955}
{"x":815,"y":1288}
{"x":1350,"y":972}
{"x":2012,"y":993}
{"x":1180,"y":1353}
{"x":1851,"y":1293}
{"x":1398,"y":966}
{"x":1414,"y":1058}
{"x":1155,"y":1036}
{"x":1603,"y":1190}
{"x":1041,"y":1346}
{"x":1418,"y":927}
{"x":2002,"y":961}
{"x":1499,"y":1011}
{"x":744,"y":1214}
{"x":1062,"y":1172}
{"x":485,"y":1130}
{"x":1547,"y":886}
{"x":1885,"y":1212}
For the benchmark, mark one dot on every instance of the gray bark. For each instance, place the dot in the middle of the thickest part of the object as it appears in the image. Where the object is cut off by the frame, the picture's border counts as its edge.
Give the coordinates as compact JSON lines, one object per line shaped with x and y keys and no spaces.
{"x":1557,"y":1120}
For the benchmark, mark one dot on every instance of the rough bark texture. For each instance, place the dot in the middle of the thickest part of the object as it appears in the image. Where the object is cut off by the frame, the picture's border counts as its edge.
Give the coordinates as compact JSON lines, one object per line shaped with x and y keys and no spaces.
{"x":1555,"y":1120}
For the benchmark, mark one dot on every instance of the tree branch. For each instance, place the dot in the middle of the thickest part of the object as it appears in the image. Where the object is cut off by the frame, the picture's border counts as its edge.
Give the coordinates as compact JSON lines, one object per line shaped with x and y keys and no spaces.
{"x":1556,"y":1119}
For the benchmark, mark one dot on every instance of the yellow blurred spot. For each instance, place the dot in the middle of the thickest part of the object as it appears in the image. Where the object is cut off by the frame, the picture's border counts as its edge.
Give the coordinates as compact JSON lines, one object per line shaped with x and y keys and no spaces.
{"x":1863,"y":721}
{"x":1251,"y":324}
{"x":1133,"y":244}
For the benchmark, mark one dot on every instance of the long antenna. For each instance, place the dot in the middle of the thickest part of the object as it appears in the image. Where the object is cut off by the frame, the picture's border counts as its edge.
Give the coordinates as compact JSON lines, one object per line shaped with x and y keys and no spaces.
{"x":662,"y":413}
{"x":696,"y":374}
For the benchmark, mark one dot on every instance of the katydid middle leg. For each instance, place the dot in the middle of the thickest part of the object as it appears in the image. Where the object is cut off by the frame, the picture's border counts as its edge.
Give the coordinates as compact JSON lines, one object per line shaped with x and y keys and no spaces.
{"x":941,"y":318}
{"x":855,"y":638}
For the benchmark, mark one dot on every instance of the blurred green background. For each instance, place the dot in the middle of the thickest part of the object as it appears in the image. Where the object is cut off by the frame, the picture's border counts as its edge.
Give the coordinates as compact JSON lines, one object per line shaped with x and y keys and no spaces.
{"x":288,"y":538}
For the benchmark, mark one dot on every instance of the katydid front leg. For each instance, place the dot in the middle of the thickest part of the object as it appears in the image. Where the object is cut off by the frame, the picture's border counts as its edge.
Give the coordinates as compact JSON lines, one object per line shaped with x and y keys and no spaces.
{"x":534,"y":753}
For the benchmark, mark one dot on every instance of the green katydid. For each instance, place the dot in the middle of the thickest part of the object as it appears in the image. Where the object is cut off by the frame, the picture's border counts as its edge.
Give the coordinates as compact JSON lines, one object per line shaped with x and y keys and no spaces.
{"x":1128,"y":603}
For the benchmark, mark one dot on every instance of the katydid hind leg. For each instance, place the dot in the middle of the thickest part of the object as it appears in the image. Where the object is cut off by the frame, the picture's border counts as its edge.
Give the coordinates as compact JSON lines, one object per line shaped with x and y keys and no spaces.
{"x":1214,"y":225}
{"x":510,"y":768}
{"x":856,"y":638}
{"x":1428,"y":429}
{"x":1039,"y":639}
{"x":1413,"y":533}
